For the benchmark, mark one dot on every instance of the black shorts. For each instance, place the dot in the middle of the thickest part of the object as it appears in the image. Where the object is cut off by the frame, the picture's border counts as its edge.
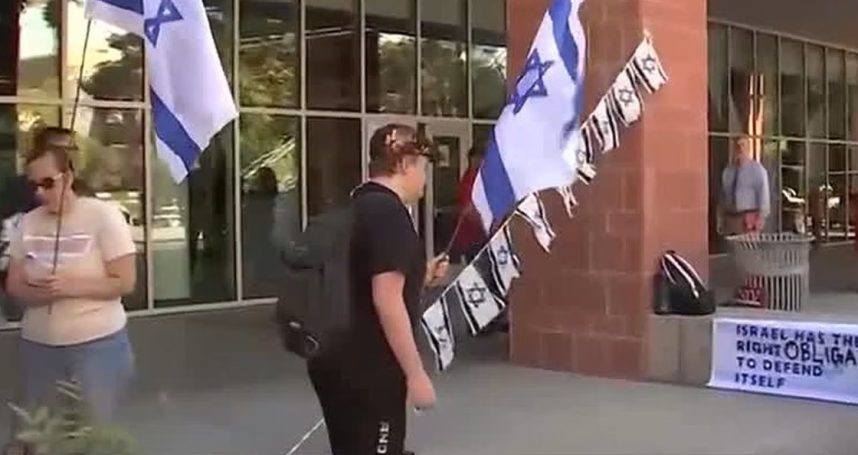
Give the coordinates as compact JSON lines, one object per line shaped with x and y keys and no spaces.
{"x":362,"y":417}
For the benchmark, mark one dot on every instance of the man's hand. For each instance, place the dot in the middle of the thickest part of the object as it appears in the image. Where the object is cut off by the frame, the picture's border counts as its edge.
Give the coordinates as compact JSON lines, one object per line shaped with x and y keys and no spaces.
{"x":421,"y":392}
{"x":436,"y":269}
{"x":754,"y":222}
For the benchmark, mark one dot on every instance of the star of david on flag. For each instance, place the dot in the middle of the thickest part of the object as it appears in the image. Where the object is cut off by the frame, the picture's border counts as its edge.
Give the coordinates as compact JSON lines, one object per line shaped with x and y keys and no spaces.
{"x":189,"y":92}
{"x":603,"y":123}
{"x":505,"y":264}
{"x":525,"y":150}
{"x":625,"y":98}
{"x":479,"y":304}
{"x":438,"y":328}
{"x":647,"y":67}
{"x":167,"y":12}
{"x":531,"y":83}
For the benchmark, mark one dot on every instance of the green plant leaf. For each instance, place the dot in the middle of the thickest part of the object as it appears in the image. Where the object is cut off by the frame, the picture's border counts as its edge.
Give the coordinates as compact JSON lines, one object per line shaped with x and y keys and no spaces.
{"x":21,"y":413}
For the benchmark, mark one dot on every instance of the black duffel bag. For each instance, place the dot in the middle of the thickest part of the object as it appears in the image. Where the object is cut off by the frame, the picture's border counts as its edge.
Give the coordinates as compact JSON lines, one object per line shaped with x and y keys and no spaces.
{"x":679,"y":288}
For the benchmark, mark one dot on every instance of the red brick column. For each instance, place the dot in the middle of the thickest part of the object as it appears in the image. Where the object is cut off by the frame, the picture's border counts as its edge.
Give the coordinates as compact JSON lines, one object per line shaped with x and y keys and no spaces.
{"x":585,"y":307}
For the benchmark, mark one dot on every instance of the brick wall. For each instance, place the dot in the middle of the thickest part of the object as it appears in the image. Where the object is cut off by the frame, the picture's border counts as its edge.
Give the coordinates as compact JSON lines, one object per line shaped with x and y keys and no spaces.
{"x":584,"y":307}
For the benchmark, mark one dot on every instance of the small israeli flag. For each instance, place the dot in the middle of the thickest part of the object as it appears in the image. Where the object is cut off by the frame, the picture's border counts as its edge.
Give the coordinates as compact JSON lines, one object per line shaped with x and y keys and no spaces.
{"x":603,"y":122}
{"x":438,"y":327}
{"x":569,"y":199}
{"x":647,"y":67}
{"x":525,"y":150}
{"x":505,"y":264}
{"x":533,"y":211}
{"x":190,"y":96}
{"x":625,"y":98}
{"x":479,"y":304}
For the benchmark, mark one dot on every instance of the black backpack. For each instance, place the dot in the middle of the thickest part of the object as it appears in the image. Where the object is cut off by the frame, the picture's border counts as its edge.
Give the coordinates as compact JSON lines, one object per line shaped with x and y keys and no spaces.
{"x":314,"y":308}
{"x":679,"y":288}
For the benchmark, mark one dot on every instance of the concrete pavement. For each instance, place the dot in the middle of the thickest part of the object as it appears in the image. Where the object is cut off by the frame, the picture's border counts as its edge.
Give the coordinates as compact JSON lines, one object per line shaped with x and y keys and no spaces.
{"x":219,"y":384}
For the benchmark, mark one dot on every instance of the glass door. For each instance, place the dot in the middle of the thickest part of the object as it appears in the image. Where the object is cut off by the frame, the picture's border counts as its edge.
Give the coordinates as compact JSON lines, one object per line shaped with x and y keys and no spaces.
{"x":440,"y":207}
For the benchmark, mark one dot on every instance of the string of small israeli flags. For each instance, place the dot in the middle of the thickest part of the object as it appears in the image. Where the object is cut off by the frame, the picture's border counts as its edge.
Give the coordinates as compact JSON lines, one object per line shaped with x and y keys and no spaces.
{"x":481,"y":288}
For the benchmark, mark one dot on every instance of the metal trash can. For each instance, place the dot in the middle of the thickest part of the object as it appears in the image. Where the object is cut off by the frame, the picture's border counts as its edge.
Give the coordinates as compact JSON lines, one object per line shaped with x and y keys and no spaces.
{"x":779,"y":263}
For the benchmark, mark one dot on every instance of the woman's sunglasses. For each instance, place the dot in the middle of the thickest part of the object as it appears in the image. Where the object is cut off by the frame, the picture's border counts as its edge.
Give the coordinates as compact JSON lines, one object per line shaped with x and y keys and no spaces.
{"x":46,"y":183}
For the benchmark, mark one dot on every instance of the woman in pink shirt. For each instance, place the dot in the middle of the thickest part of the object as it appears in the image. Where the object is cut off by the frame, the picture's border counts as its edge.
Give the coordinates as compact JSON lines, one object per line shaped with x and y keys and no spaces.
{"x":70,"y":284}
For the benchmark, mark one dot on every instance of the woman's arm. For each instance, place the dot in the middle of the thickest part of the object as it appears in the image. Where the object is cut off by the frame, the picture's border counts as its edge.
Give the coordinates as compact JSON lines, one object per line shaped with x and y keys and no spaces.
{"x":26,"y":292}
{"x":120,"y":280}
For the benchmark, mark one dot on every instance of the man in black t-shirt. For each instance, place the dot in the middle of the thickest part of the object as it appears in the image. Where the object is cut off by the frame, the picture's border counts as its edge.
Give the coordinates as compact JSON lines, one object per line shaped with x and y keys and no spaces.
{"x":365,"y":387}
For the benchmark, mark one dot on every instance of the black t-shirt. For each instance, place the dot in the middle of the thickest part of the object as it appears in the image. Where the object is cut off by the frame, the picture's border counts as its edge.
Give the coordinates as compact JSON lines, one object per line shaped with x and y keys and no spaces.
{"x":384,"y":240}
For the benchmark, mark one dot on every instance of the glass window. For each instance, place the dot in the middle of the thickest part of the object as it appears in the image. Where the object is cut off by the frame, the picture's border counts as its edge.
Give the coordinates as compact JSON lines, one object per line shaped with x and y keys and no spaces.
{"x":221,"y":18}
{"x":771,"y":160}
{"x":852,"y":189}
{"x":110,"y":165}
{"x":29,"y":49}
{"x":447,"y":172}
{"x":852,"y":97}
{"x":391,"y":56}
{"x":719,"y":157}
{"x":767,"y":67}
{"x":333,"y":162}
{"x":268,"y":57}
{"x":113,"y":66}
{"x":835,"y":69}
{"x":792,"y":87}
{"x":333,"y":55}
{"x":793,"y":194}
{"x":445,"y":58}
{"x":837,"y":193}
{"x":817,"y":181}
{"x":741,"y":78}
{"x":192,"y":228}
{"x":717,"y":78}
{"x":488,"y":64}
{"x":17,"y":122}
{"x":271,"y":197}
{"x":816,"y":91}
{"x":481,"y":134}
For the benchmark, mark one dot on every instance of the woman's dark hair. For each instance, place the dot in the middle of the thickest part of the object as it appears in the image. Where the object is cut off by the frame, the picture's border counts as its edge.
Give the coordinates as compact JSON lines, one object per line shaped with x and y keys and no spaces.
{"x":57,"y":142}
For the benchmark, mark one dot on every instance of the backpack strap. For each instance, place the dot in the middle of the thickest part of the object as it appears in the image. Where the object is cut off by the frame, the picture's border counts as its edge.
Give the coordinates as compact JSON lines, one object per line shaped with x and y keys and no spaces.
{"x":678,"y":269}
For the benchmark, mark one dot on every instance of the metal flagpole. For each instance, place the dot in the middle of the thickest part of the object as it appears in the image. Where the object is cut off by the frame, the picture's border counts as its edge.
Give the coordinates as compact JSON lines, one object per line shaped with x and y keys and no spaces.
{"x":65,"y":182}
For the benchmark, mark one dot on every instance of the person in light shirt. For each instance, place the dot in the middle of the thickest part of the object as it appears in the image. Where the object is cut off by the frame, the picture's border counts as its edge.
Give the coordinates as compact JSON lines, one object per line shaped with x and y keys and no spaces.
{"x":745,"y":199}
{"x":74,"y":324}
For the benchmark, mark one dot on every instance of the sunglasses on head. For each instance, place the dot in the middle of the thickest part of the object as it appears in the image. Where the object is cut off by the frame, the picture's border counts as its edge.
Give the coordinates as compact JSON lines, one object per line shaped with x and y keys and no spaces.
{"x":46,"y":183}
{"x":414,"y":148}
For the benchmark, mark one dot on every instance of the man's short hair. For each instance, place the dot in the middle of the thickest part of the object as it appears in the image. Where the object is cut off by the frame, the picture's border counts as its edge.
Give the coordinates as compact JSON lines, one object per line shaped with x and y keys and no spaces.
{"x":390,"y":146}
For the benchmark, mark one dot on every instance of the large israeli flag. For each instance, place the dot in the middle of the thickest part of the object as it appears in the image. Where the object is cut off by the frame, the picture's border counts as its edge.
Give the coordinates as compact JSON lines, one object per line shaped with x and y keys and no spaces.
{"x":190,"y":96}
{"x":541,"y":119}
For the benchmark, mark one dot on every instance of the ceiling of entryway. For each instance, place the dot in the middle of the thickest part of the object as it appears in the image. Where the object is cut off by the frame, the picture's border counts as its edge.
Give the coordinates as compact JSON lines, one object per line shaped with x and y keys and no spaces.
{"x":829,"y":21}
